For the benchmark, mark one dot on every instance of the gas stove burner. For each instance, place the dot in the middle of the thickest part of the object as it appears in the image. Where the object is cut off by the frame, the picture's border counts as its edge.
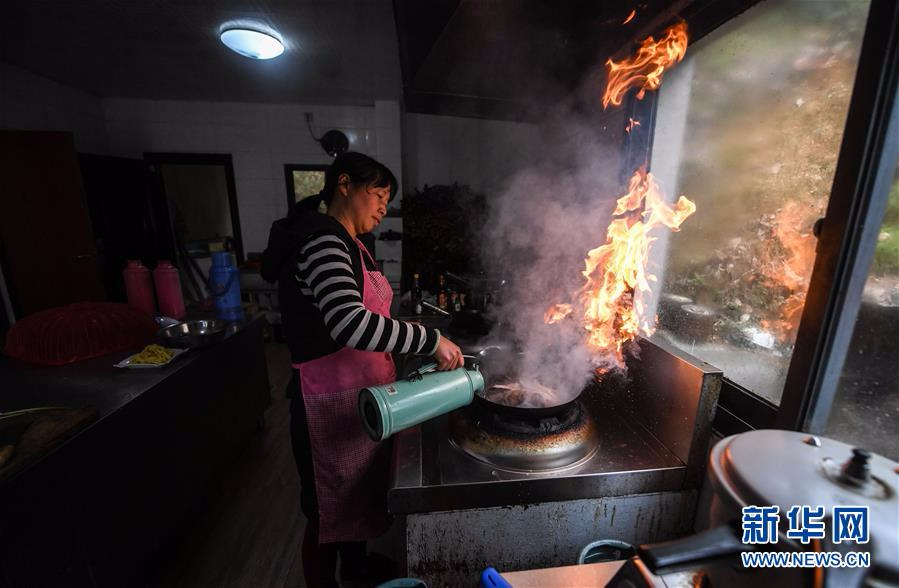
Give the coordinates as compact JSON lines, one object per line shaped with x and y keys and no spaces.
{"x":541,"y":445}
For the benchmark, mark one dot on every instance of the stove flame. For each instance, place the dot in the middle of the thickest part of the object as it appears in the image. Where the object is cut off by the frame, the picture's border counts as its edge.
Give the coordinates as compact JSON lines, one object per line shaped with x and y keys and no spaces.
{"x":631,"y":124}
{"x":630,"y":17}
{"x":644,"y":70}
{"x":613,"y":299}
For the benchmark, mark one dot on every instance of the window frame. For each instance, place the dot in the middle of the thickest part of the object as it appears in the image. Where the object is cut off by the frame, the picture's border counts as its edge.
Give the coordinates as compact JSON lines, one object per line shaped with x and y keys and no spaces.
{"x":289,"y":168}
{"x":865,"y":163}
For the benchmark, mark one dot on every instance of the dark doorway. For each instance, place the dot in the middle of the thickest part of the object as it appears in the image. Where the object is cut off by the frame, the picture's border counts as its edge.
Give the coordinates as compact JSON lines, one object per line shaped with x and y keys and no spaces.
{"x":124,"y":226}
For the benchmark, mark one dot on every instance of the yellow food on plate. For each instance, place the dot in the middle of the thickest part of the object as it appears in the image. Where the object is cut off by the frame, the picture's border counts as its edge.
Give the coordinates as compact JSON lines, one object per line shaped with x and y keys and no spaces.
{"x":153,"y":354}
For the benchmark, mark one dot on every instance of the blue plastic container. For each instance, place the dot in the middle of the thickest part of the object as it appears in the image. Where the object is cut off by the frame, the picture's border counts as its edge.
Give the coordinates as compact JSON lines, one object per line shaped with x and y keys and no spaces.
{"x":224,"y":285}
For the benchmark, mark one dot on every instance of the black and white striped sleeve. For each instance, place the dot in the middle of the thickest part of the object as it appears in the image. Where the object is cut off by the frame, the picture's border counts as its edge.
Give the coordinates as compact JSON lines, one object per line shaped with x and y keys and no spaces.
{"x":325,"y":274}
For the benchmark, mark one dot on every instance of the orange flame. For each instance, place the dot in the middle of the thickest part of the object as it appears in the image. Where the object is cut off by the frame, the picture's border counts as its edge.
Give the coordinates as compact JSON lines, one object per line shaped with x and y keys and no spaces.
{"x":631,"y":123}
{"x":645,"y":69}
{"x":616,"y":278}
{"x":791,"y":269}
{"x":630,"y":17}
{"x":556,"y":313}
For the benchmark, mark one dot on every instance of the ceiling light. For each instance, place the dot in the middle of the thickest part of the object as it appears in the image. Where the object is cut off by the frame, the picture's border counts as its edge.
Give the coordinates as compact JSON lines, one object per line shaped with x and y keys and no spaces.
{"x":252,"y":44}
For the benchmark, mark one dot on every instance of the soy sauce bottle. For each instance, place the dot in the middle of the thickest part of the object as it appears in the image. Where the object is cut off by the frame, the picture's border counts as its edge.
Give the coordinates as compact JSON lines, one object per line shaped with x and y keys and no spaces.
{"x":442,"y":296}
{"x":416,"y":295}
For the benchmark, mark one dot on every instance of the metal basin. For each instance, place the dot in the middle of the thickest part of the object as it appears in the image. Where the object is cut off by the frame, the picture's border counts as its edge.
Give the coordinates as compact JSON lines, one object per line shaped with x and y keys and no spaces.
{"x":191,"y":334}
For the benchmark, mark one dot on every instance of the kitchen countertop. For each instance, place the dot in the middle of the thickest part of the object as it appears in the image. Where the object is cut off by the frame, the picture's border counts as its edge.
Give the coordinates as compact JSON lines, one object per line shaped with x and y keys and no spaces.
{"x":93,"y":382}
{"x":96,"y":508}
{"x":96,"y":384}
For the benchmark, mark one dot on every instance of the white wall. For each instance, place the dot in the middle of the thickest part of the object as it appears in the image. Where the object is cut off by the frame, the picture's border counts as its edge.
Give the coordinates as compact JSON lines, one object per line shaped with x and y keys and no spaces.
{"x":33,"y":103}
{"x":260,"y":137}
{"x":480,"y":153}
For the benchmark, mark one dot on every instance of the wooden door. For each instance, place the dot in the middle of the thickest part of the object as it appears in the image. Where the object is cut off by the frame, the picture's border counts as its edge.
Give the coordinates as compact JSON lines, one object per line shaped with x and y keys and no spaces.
{"x":45,"y":233}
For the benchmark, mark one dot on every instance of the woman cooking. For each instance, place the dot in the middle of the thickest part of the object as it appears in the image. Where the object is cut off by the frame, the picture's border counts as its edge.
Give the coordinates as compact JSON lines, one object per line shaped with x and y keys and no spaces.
{"x":335,"y":307}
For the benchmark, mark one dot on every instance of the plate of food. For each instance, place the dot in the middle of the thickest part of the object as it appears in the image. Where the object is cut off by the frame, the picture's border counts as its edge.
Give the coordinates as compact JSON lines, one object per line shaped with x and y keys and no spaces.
{"x":151,"y":356}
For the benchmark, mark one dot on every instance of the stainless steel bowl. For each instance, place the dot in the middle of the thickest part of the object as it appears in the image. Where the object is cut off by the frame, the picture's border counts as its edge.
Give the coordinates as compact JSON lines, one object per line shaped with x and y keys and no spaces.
{"x":192,"y":334}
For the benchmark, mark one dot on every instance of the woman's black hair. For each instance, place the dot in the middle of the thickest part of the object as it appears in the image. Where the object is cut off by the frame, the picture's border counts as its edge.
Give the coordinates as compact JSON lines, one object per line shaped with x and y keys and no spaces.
{"x":360,"y":168}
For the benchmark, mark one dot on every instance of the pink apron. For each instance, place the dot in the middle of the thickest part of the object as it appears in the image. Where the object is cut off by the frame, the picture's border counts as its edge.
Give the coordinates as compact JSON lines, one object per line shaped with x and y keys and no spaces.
{"x":350,"y":468}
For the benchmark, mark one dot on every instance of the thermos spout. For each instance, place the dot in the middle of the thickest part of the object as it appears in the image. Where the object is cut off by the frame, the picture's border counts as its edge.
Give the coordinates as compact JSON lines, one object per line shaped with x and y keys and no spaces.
{"x":393,"y":407}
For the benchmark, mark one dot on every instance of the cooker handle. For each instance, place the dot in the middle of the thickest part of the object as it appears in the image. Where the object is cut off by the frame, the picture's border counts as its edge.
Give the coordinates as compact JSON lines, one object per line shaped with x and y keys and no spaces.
{"x":692,"y":551}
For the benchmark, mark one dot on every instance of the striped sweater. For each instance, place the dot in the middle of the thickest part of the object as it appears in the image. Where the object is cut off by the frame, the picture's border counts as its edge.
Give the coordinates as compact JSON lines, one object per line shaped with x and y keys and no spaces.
{"x":325,"y":275}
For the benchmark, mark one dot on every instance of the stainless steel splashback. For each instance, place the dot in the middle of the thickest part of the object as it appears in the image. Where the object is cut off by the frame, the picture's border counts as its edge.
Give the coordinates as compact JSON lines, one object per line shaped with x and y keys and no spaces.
{"x":672,"y":395}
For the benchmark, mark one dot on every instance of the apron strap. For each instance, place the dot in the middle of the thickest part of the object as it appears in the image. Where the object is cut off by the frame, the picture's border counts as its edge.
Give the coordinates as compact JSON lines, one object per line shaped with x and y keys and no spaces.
{"x":365,"y":251}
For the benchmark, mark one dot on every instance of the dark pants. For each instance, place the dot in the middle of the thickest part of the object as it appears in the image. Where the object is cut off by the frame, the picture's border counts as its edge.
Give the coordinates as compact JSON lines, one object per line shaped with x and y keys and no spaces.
{"x":319,"y":559}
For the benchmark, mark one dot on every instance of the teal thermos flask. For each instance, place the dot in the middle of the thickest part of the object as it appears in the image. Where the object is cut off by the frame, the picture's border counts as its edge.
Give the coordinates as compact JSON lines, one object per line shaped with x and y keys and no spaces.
{"x":424,"y":395}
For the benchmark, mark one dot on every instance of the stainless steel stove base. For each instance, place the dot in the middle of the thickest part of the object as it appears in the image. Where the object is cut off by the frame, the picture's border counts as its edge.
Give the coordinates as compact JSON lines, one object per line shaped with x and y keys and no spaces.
{"x":450,"y":548}
{"x":432,"y":474}
{"x":461,"y":515}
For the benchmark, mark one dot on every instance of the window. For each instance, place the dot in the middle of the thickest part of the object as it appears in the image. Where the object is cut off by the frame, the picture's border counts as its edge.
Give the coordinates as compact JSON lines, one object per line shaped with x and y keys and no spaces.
{"x":865,"y":411}
{"x":749,"y":127}
{"x":303,"y":181}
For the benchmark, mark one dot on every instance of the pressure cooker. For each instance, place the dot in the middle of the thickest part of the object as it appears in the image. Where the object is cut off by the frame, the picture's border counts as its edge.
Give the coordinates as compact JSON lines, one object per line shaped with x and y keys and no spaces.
{"x":787,"y":470}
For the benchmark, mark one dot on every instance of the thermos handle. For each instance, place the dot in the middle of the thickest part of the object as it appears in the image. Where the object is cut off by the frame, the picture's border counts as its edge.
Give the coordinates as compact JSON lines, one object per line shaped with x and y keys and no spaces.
{"x":428,"y":368}
{"x":425,"y":369}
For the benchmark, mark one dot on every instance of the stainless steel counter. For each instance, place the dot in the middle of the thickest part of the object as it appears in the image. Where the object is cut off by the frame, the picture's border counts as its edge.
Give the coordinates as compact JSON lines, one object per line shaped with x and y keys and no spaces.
{"x":431,"y":474}
{"x":653,"y":432}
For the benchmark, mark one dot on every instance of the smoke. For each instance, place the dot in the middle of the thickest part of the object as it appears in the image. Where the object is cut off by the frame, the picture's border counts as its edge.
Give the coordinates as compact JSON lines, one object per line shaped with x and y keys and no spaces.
{"x":539,"y":231}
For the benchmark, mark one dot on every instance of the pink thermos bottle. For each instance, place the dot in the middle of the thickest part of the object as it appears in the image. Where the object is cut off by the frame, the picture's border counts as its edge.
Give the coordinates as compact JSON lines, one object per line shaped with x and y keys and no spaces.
{"x":139,"y":286}
{"x":168,"y":290}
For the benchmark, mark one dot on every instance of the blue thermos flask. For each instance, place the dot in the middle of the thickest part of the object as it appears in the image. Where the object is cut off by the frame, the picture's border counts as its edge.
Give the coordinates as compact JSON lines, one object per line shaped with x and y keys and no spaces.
{"x":224,"y":285}
{"x":424,"y":395}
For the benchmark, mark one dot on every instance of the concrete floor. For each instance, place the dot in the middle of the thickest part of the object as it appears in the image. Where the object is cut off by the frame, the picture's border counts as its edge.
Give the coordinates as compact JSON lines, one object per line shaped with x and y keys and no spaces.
{"x":249,"y":530}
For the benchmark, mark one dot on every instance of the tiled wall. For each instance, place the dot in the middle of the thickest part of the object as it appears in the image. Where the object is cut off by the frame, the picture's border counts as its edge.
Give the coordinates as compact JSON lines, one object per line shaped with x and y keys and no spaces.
{"x":260,"y":137}
{"x":263,"y":137}
{"x":480,"y":153}
{"x":33,"y":103}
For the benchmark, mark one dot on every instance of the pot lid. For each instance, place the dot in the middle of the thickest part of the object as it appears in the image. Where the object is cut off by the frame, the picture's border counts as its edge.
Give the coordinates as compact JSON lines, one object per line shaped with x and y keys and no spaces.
{"x":786,"y":468}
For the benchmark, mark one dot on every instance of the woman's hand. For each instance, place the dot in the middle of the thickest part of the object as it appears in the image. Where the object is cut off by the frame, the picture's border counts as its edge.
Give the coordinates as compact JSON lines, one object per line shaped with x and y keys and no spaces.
{"x":448,"y":355}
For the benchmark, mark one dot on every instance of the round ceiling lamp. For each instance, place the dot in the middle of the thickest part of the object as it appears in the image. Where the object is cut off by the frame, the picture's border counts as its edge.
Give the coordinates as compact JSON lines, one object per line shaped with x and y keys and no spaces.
{"x":251,"y":43}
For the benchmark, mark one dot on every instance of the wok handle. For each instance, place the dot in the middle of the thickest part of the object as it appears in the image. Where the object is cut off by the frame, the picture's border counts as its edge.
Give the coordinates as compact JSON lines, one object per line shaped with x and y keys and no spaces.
{"x":692,"y":551}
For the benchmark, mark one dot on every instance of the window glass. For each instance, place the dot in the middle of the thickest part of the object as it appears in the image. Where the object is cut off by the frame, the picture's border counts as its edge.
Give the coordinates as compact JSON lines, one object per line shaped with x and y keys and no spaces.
{"x":866,"y":409}
{"x":307,"y":183}
{"x":749,"y":128}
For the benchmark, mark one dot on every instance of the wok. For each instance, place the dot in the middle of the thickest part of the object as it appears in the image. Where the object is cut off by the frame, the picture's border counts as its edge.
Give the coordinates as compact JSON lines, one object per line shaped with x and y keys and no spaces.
{"x":498,"y":364}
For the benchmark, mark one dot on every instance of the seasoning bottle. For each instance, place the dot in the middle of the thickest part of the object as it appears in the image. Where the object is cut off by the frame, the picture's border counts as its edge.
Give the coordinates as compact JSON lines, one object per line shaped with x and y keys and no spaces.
{"x":457,"y":305}
{"x":416,"y":295}
{"x":442,"y":297}
{"x":168,"y":290}
{"x":139,"y":286}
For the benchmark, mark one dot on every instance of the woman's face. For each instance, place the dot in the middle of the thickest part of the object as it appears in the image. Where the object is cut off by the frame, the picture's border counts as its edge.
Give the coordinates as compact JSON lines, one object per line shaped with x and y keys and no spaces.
{"x":367,"y":205}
